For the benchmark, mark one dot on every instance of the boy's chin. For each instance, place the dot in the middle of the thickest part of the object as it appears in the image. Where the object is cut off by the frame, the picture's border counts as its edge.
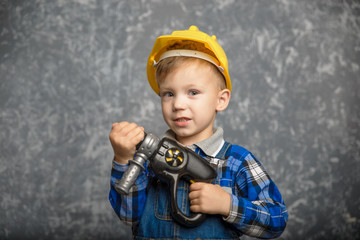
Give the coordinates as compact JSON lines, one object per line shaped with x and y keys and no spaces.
{"x":182,"y":136}
{"x":189,"y":138}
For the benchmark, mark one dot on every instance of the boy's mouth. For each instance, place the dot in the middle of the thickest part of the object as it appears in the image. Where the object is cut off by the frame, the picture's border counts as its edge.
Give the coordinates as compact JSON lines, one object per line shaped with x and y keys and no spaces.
{"x":181,"y":119}
{"x":182,"y":122}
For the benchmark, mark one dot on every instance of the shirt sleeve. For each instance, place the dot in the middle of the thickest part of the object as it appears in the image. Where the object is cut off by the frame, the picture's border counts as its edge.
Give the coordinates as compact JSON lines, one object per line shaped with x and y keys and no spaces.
{"x":128,"y":207}
{"x":257,"y":208}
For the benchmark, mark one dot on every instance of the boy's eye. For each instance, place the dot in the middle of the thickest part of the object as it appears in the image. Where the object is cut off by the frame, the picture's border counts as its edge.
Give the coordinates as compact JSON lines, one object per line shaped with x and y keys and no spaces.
{"x":167,"y":94}
{"x":193,"y":93}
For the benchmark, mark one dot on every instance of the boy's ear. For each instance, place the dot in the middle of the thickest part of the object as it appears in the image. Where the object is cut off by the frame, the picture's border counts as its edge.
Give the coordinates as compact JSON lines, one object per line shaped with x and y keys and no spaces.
{"x":223,"y":100}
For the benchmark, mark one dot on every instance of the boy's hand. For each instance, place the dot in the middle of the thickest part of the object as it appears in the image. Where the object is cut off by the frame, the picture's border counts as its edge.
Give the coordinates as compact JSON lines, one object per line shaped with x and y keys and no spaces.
{"x":123,"y":137}
{"x":209,"y":198}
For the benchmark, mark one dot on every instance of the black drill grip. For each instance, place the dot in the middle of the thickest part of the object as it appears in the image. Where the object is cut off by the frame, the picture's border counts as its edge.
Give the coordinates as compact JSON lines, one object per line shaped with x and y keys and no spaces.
{"x":194,"y":219}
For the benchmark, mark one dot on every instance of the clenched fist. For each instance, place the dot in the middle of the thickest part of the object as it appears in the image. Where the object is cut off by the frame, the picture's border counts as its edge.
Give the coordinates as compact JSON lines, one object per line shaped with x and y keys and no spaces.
{"x":124,"y":137}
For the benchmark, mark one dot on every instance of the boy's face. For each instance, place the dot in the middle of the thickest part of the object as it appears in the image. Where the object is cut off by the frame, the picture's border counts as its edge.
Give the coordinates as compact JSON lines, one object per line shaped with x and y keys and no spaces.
{"x":190,"y":97}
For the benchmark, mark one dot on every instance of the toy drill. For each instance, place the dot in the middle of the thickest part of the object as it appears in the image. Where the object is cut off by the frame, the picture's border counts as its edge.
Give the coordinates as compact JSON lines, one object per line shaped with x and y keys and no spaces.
{"x":170,"y":162}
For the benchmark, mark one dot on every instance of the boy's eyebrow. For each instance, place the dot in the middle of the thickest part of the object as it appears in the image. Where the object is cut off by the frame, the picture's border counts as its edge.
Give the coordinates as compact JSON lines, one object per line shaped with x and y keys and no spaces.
{"x":194,"y":86}
{"x":162,"y":89}
{"x":190,"y":85}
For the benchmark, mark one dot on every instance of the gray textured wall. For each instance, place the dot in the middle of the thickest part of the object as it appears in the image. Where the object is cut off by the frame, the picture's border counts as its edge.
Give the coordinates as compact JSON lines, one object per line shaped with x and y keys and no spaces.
{"x":68,"y":69}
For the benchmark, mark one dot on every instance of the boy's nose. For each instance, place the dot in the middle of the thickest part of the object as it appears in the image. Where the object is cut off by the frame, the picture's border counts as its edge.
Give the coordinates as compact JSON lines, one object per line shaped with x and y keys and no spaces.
{"x":179,"y":103}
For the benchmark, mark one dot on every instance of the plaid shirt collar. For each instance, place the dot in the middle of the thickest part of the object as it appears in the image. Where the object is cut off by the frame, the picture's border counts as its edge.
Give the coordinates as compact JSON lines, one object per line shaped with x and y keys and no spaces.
{"x":210,"y":146}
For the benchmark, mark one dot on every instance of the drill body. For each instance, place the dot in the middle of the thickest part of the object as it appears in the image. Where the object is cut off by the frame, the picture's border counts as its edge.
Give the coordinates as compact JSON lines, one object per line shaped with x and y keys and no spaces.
{"x":170,"y":162}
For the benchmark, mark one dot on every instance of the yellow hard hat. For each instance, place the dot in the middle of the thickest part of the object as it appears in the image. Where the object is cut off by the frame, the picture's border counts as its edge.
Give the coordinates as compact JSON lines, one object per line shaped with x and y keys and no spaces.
{"x":210,"y":51}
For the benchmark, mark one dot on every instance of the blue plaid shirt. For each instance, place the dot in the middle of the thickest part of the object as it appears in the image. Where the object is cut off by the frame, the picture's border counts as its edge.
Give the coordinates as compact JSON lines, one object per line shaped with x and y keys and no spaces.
{"x":257,"y":208}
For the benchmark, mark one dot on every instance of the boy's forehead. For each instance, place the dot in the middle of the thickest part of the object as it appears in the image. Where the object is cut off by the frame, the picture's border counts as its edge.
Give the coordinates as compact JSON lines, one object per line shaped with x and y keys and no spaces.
{"x":191,"y":73}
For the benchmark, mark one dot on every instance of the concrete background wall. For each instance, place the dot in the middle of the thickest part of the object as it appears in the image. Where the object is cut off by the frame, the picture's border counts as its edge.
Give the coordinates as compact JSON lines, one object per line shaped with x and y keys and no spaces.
{"x":70,"y":68}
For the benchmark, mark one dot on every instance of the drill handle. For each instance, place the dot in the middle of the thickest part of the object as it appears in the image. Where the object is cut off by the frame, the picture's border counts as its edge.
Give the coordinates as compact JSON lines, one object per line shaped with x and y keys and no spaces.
{"x":194,"y":219}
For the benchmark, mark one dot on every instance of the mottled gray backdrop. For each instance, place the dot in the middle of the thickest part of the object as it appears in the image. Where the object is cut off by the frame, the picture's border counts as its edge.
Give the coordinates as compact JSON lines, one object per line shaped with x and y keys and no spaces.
{"x":70,"y":68}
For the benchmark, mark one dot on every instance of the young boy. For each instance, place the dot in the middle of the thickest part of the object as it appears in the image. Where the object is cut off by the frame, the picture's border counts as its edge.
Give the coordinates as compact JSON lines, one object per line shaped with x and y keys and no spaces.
{"x":189,"y":71}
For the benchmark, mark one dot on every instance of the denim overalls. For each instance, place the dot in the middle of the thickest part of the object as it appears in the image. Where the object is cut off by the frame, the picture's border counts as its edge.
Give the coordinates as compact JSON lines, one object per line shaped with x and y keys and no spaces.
{"x":156,"y":221}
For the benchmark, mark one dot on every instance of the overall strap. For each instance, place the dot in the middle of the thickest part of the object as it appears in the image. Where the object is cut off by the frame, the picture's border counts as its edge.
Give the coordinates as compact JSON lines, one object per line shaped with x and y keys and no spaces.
{"x":222,"y":154}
